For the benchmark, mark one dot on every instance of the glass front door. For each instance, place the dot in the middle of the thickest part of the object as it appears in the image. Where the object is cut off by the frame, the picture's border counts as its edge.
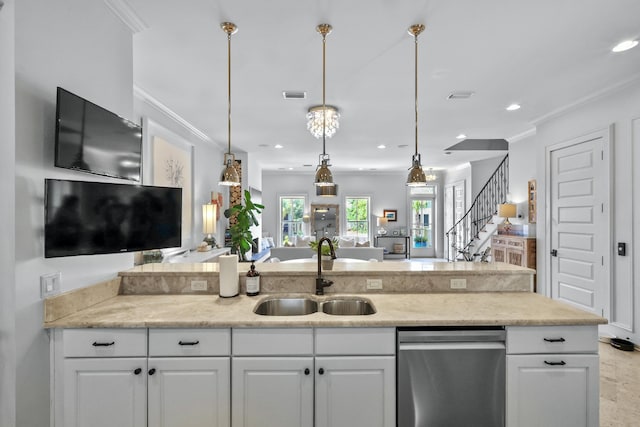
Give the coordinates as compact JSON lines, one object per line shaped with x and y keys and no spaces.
{"x":422,"y":226}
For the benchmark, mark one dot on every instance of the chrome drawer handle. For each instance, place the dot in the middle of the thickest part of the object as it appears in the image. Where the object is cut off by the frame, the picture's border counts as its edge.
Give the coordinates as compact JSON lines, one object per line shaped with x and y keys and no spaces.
{"x":554,"y":339}
{"x":560,"y":363}
{"x":189,"y":342}
{"x":103,"y":344}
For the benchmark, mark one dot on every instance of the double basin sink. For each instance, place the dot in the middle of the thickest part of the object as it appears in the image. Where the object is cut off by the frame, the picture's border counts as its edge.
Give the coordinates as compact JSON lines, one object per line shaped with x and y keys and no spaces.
{"x":299,"y":306}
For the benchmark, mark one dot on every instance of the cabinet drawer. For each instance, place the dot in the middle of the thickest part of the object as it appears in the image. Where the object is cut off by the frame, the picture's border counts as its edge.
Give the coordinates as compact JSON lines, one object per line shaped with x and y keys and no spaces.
{"x":552,"y":339}
{"x":104,"y":342}
{"x":355,"y":341}
{"x":189,"y":342}
{"x":272,"y":342}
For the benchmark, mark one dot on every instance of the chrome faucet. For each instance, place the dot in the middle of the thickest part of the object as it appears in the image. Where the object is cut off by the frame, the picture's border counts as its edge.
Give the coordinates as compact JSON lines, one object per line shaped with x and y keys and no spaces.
{"x":320,"y":282}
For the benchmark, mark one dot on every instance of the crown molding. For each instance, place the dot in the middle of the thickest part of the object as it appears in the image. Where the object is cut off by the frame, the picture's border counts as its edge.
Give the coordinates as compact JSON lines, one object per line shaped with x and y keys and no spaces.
{"x":144,"y":96}
{"x":522,"y":135}
{"x":584,"y":100}
{"x":123,"y":10}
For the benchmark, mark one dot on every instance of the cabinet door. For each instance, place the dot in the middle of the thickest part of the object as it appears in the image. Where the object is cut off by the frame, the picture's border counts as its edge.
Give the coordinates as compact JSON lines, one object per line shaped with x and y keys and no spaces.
{"x":189,"y":392}
{"x":272,"y":392}
{"x":355,"y":391}
{"x":552,"y":390}
{"x":105,"y":392}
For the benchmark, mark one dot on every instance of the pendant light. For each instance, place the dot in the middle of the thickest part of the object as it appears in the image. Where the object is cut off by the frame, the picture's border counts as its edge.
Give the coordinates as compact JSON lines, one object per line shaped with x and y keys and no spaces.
{"x":324,"y":178}
{"x":230,"y":175}
{"x":416,"y":176}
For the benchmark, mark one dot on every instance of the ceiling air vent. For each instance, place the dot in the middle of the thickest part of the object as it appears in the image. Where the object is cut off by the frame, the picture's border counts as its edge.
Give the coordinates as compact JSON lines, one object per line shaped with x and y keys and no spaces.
{"x":462,"y":94}
{"x":294,"y":95}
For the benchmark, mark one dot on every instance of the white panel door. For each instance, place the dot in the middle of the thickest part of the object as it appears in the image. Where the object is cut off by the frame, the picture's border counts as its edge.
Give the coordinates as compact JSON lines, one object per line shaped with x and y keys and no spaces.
{"x":189,"y":392}
{"x":580,"y":223}
{"x":355,"y":391}
{"x":272,"y":392}
{"x":105,"y":392}
{"x":552,"y":390}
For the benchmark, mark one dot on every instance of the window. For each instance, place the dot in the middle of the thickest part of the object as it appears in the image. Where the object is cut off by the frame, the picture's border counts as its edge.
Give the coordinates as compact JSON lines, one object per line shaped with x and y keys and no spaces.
{"x":291,"y":212}
{"x":357,"y":216}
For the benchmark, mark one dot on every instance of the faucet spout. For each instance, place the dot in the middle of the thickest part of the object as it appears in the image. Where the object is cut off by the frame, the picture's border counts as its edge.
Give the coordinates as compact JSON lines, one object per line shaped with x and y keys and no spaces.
{"x":320,"y":282}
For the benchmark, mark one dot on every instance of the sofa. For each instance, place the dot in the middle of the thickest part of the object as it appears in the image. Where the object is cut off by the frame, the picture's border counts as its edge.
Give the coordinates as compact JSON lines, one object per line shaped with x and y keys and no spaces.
{"x":349,"y":247}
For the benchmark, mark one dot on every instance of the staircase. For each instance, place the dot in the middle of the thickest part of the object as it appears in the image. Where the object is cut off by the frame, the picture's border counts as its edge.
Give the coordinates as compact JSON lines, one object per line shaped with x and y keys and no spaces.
{"x":470,"y":235}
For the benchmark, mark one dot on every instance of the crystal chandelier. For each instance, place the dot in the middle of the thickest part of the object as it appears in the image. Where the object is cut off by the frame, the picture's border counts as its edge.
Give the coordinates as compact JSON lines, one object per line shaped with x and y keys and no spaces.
{"x":321,"y":118}
{"x":431,"y":176}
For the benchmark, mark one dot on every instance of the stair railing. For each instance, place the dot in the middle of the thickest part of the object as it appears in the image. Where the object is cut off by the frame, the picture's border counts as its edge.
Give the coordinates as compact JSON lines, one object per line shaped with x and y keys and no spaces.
{"x":466,"y":230}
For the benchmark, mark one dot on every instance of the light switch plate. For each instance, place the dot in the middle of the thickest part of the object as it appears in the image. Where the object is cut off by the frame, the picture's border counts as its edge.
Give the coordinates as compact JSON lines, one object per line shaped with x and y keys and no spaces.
{"x":49,"y":284}
{"x":198,"y":285}
{"x":374,"y":283}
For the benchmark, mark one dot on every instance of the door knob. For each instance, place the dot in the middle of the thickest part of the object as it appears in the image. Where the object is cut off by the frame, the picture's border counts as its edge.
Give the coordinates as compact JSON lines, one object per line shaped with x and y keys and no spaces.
{"x":554,"y":252}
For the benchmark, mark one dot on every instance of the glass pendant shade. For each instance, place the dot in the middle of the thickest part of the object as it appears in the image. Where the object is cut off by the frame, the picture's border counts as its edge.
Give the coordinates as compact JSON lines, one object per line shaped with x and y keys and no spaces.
{"x":230,"y":176}
{"x":323,"y":175}
{"x":323,"y":119}
{"x":416,"y":176}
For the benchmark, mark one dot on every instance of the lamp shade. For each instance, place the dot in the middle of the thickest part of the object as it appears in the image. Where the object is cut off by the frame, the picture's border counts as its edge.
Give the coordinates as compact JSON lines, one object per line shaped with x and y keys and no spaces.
{"x":381,"y":221}
{"x":507,"y":210}
{"x":209,"y":218}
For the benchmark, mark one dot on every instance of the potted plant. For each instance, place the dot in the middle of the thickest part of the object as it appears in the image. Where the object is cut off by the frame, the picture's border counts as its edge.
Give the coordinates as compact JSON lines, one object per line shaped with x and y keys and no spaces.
{"x":420,"y":241}
{"x":325,"y":252}
{"x":241,"y":238}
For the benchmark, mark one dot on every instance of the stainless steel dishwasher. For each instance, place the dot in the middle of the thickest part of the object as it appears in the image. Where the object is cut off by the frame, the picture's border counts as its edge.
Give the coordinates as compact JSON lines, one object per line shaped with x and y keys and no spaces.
{"x":451,"y":377}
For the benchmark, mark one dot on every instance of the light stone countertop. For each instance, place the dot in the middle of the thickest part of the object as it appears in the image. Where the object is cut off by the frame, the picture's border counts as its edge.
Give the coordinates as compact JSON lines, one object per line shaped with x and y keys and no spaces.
{"x":428,"y":309}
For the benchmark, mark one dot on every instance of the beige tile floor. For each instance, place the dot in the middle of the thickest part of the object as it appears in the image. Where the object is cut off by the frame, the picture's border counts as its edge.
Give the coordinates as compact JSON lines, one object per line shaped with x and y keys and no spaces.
{"x":619,"y":387}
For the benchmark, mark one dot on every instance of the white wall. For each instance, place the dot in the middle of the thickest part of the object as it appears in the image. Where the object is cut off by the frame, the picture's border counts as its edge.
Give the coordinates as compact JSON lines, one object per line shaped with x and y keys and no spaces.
{"x":84,"y":48}
{"x":622,"y":109}
{"x":387,"y":191}
{"x":481,"y":171}
{"x":522,"y":168}
{"x":7,"y":218}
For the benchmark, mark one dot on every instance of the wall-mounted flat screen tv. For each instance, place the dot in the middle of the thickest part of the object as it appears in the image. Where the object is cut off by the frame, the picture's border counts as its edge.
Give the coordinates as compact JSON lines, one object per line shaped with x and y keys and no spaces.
{"x":86,"y":218}
{"x":92,"y":139}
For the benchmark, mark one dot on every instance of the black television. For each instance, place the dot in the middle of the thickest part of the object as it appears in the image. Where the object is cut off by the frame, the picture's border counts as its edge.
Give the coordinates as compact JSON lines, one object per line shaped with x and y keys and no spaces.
{"x":87,"y":218}
{"x":92,"y":139}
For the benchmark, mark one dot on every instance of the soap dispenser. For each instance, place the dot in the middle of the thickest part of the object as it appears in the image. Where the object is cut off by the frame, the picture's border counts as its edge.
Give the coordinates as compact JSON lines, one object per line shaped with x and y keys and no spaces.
{"x":253,"y":281}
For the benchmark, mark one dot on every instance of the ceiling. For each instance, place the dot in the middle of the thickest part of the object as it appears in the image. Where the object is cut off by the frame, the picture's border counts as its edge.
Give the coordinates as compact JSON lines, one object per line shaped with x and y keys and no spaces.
{"x":544,"y":55}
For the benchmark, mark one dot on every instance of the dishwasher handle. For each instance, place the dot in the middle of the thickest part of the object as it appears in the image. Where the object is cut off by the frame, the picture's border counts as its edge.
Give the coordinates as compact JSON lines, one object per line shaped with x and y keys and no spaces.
{"x":457,"y":336}
{"x":488,"y":345}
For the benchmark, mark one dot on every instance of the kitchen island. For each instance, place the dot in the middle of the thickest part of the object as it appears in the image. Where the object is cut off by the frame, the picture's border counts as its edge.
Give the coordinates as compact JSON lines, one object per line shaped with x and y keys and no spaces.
{"x":187,"y":344}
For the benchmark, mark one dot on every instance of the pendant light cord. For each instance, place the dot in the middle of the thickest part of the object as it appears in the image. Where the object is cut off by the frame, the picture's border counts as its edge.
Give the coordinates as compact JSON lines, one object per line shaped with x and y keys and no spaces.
{"x":324,"y":106}
{"x":229,"y":92}
{"x":416,"y":88}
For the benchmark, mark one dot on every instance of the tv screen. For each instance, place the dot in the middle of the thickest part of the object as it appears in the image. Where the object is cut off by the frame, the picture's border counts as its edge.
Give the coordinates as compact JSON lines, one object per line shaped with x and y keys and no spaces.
{"x":92,"y":139}
{"x":85,"y":218}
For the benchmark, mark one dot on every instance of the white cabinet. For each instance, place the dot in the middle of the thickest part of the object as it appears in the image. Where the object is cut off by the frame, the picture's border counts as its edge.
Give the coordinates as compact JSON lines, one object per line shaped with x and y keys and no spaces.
{"x":272,"y":391}
{"x":552,"y":376}
{"x":105,"y":381}
{"x":111,"y":379}
{"x":351,"y":372}
{"x":105,"y":392}
{"x":188,"y":392}
{"x":355,"y":391}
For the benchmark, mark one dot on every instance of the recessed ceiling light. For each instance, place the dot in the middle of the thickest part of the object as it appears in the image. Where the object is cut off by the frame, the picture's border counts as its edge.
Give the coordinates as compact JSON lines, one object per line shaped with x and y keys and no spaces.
{"x":290,"y":169}
{"x":277,"y":146}
{"x":625,"y":45}
{"x":461,"y":136}
{"x":513,"y":107}
{"x":382,"y":146}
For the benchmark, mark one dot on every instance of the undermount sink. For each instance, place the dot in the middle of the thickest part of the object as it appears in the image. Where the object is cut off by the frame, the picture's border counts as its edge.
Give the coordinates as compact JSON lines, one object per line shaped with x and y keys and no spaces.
{"x":348,"y":307}
{"x":286,"y":307}
{"x":299,"y":306}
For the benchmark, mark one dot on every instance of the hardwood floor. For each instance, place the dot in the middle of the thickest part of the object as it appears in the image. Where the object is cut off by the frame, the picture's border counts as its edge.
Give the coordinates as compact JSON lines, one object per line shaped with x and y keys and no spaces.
{"x":619,"y":387}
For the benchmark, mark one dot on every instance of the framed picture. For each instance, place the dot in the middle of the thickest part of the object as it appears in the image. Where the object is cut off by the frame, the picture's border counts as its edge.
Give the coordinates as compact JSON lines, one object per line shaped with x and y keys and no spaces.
{"x":390,"y":214}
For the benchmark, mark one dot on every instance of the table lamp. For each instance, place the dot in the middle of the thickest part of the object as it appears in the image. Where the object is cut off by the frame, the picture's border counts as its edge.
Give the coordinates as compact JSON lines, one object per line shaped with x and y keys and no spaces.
{"x":506,"y":211}
{"x":209,"y":223}
{"x":381,"y":222}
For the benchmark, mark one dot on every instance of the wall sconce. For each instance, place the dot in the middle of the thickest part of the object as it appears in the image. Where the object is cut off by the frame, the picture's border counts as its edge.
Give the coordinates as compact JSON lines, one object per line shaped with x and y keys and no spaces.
{"x":381,"y":222}
{"x":209,"y":223}
{"x":506,"y":211}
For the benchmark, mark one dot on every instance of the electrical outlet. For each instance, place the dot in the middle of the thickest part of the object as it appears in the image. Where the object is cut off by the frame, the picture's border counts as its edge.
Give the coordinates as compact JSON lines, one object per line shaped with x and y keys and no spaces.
{"x":49,"y":284}
{"x":458,"y":283}
{"x":198,"y":285}
{"x":374,"y":283}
